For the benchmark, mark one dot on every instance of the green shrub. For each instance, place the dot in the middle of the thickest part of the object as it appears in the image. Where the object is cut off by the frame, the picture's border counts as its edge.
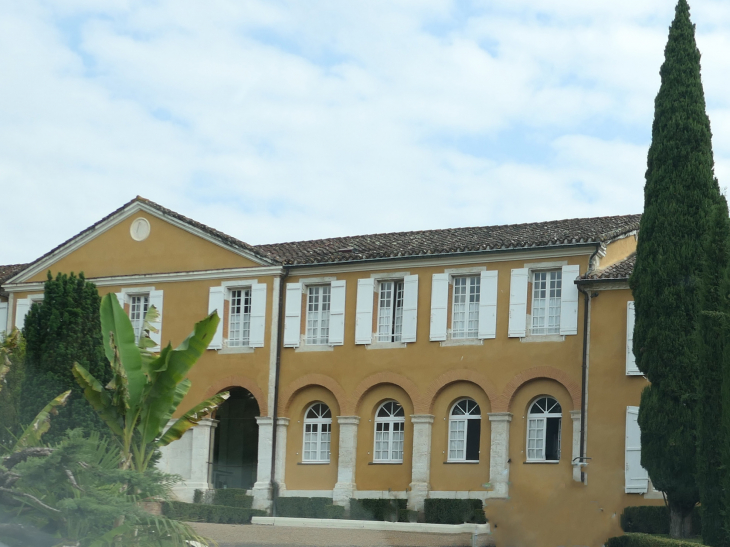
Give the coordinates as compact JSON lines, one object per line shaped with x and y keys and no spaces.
{"x":209,"y":513}
{"x":445,"y":511}
{"x":334,"y":512}
{"x":648,"y":540}
{"x":198,"y":496}
{"x":296,"y":507}
{"x":391,"y":510}
{"x":232,"y":497}
{"x":654,"y":519}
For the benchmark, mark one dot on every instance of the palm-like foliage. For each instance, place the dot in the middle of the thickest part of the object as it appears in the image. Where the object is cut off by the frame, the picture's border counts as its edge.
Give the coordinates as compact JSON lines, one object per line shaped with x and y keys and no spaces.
{"x":146,"y":388}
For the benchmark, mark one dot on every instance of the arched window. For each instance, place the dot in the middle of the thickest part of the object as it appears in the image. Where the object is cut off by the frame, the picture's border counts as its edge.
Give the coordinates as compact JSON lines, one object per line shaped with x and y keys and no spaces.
{"x":543,"y":430}
{"x":390,"y":424}
{"x":317,"y":433}
{"x":465,"y":428}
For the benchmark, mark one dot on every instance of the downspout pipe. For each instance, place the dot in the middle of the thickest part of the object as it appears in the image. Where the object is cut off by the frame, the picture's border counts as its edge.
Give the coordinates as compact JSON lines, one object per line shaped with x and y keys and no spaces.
{"x":584,"y":368}
{"x":279,"y":343}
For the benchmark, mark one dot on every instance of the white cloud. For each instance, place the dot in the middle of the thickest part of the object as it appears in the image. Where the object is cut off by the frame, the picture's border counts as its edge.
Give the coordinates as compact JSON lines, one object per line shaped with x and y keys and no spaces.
{"x":277,"y":121}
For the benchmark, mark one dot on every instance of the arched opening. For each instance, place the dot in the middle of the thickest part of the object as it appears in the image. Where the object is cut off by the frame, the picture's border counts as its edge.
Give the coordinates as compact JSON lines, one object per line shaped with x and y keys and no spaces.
{"x":236,"y":443}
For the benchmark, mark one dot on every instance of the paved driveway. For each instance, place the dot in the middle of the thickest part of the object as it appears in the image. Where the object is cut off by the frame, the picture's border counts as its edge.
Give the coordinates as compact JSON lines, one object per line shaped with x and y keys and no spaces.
{"x":254,"y":535}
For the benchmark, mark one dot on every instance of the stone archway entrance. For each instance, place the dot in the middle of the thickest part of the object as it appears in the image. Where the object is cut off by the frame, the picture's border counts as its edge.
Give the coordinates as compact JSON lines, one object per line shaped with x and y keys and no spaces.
{"x":236,"y":441}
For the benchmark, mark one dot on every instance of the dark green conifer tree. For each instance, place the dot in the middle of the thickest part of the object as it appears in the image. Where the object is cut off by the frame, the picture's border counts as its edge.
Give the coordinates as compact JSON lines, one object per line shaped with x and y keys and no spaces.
{"x":64,"y":329}
{"x":678,"y":197}
{"x":711,"y":337}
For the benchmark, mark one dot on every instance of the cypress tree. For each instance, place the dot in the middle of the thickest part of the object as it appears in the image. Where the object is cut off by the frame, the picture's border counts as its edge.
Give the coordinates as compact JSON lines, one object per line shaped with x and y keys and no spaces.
{"x":711,"y":338}
{"x":679,"y":194}
{"x":62,"y":330}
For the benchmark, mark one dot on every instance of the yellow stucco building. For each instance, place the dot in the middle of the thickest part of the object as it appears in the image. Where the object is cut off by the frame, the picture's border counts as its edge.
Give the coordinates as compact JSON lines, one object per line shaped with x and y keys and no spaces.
{"x":491,"y":363}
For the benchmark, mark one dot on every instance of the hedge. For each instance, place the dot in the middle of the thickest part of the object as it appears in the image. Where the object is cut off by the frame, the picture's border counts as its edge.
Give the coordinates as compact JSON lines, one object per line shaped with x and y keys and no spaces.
{"x":648,"y":540}
{"x":232,"y":497}
{"x":387,"y":509}
{"x":446,"y":511}
{"x":220,"y":514}
{"x":299,"y":507}
{"x":654,"y":519}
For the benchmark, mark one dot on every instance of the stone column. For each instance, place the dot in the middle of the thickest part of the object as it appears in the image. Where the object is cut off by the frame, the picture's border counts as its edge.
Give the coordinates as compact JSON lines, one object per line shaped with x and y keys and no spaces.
{"x":499,"y":454}
{"x":191,"y":457}
{"x":421,"y":467}
{"x":282,"y":425}
{"x":577,"y":467}
{"x":262,"y":487}
{"x":346,"y":460}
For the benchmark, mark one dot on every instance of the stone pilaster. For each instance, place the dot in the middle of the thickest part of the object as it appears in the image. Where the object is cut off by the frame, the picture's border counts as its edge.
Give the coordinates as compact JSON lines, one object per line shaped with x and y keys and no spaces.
{"x":577,"y":467}
{"x":499,"y":454}
{"x":282,"y":425}
{"x":262,"y":487}
{"x":346,"y":460}
{"x":421,"y":465}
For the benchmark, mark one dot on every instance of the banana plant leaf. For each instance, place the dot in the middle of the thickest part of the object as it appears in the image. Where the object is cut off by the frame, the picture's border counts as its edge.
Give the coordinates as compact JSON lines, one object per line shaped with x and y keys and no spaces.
{"x":192,"y":417}
{"x":99,"y":399}
{"x":162,"y":398}
{"x":120,"y":346}
{"x":32,"y":434}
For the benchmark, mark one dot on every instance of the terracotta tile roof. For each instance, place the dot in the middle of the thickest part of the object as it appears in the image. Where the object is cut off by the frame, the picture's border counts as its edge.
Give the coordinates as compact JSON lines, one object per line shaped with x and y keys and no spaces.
{"x":454,"y":240}
{"x":619,"y":271}
{"x":6,"y":272}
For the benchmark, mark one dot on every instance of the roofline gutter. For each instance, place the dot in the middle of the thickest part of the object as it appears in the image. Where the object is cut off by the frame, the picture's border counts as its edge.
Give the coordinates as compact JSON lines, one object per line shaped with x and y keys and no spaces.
{"x":587,"y":282}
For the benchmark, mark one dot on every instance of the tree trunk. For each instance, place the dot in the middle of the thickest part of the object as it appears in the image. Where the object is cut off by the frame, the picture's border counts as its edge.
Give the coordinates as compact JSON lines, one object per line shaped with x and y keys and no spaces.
{"x":687,"y":525}
{"x":675,"y":522}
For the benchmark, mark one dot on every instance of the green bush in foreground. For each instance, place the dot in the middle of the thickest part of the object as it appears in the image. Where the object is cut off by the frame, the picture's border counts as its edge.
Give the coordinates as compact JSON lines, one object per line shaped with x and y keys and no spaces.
{"x":219,"y":514}
{"x":443,"y":511}
{"x":232,"y":497}
{"x":390,"y":510}
{"x":647,"y":540}
{"x":653,"y":519}
{"x":300,"y":507}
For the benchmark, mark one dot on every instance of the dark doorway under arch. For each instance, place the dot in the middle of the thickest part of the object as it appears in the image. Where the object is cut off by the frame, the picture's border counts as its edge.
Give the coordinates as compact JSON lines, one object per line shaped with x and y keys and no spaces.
{"x":236,"y":443}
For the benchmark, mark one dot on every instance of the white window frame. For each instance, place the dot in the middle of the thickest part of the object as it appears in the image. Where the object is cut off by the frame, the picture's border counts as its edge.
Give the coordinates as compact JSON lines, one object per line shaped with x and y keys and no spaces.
{"x":550,"y":303}
{"x":390,"y":426}
{"x":138,"y":323}
{"x":471,"y":308}
{"x":322,"y":439}
{"x":319,"y":315}
{"x":390,"y":318}
{"x":537,"y":423}
{"x":459,"y":423}
{"x":245,"y":333}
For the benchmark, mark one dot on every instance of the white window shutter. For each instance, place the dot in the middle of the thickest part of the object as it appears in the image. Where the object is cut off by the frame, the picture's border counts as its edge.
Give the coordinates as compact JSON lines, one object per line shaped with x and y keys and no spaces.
{"x":518,"y":303}
{"x":21,"y":310}
{"x":488,"y":304}
{"x":258,"y":315}
{"x":120,"y":298}
{"x":637,"y":478}
{"x":569,"y":301}
{"x":293,"y":315}
{"x":631,"y":368}
{"x":3,"y":316}
{"x":410,"y":308}
{"x":337,"y":313}
{"x":156,"y":301}
{"x":364,"y":311}
{"x":215,"y":303}
{"x":439,"y":304}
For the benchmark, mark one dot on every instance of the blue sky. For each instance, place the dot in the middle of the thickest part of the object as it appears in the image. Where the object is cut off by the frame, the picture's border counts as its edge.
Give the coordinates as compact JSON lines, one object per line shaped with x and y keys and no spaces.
{"x":279,"y":121}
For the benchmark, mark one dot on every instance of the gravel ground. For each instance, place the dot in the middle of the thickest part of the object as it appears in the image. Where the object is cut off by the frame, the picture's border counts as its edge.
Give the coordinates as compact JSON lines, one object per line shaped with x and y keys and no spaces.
{"x":255,"y":535}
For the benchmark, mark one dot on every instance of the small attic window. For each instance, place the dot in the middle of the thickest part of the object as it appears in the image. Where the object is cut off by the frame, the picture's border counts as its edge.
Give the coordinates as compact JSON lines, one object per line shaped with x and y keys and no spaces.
{"x":346,"y":250}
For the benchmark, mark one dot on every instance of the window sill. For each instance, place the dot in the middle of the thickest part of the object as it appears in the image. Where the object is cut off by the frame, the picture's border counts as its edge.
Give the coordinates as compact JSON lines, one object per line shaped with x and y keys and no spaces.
{"x":543,"y":338}
{"x":462,"y":342}
{"x":385,"y":345}
{"x":313,"y":463}
{"x":385,"y":463}
{"x":472,"y":462}
{"x":241,"y":349}
{"x":313,"y":347}
{"x":541,"y":461}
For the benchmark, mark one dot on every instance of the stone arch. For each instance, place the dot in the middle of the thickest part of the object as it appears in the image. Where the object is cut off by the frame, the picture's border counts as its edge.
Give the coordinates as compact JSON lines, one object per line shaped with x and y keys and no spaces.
{"x":386,"y":377}
{"x":286,"y":396}
{"x":240,"y":381}
{"x":550,"y":373}
{"x":450,"y":377}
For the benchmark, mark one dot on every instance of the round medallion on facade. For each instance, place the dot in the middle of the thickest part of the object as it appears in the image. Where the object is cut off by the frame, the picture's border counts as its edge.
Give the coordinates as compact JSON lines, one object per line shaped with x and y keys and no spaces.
{"x":140,"y":229}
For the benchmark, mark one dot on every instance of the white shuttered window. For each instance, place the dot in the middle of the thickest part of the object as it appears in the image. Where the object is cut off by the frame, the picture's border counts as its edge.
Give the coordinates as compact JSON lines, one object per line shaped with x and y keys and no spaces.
{"x":389,"y":433}
{"x":317,"y":433}
{"x":318,"y":314}
{"x":138,"y":306}
{"x":390,"y":311}
{"x":546,"y":293}
{"x":239,"y":318}
{"x":465,"y":311}
{"x":636,"y":477}
{"x":216,"y":297}
{"x":631,"y":368}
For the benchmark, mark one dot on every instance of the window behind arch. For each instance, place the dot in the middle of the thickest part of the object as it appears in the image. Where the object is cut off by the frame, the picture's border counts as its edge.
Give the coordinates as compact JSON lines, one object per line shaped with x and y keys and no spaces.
{"x":389,"y":433}
{"x":543,"y":430}
{"x":465,"y":428}
{"x":317,"y":433}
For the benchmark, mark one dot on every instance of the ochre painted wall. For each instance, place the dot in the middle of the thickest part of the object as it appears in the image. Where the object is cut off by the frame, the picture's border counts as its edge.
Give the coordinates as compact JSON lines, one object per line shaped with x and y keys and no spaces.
{"x":618,"y":250}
